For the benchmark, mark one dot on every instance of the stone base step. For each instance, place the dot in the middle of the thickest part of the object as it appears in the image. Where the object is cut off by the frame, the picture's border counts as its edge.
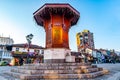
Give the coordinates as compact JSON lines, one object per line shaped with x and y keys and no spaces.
{"x":58,"y":71}
{"x":32,"y":72}
{"x":58,"y":64}
{"x":90,"y":70}
{"x":55,"y":66}
{"x":85,"y":67}
{"x":47,"y":67}
{"x":67,"y":71}
{"x":56,"y":76}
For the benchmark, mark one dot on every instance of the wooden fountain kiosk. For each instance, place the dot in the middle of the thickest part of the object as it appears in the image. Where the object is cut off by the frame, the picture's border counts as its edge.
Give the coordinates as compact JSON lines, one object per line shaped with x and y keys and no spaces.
{"x":56,"y":19}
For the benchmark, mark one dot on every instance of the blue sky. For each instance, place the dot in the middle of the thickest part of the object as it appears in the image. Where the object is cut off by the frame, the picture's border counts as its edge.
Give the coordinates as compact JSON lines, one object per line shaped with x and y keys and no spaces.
{"x":102,"y":17}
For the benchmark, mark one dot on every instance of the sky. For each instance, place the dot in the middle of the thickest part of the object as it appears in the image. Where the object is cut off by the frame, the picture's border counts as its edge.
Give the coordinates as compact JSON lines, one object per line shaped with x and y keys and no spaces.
{"x":102,"y":17}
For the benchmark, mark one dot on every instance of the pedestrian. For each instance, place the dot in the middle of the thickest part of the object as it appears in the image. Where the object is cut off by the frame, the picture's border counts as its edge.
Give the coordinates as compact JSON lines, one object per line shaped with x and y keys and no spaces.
{"x":16,"y":61}
{"x":21,"y":61}
{"x":103,"y":58}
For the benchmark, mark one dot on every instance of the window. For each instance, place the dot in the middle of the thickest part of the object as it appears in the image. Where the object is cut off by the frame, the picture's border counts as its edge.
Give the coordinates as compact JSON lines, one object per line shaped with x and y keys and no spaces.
{"x":17,"y":49}
{"x":81,"y":37}
{"x":86,"y":36}
{"x":36,"y":51}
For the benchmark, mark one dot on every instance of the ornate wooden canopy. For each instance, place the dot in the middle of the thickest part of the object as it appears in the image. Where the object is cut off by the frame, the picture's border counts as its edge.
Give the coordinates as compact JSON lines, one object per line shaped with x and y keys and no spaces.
{"x":56,"y":20}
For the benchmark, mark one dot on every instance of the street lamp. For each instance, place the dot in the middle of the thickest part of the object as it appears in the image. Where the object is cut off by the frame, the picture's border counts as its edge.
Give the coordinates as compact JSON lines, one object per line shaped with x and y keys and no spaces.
{"x":29,"y":38}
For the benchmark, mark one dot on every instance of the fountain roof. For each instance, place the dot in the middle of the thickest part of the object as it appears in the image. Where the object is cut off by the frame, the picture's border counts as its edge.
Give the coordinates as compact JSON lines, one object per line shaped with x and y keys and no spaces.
{"x":44,"y":12}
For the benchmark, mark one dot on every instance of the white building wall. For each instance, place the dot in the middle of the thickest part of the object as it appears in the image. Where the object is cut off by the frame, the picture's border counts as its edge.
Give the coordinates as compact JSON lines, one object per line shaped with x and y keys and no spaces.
{"x":26,"y":49}
{"x":6,"y":55}
{"x":3,"y":52}
{"x":20,"y":49}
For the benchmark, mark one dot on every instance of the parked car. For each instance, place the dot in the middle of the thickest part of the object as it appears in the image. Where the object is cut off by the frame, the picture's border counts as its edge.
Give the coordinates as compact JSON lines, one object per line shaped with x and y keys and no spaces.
{"x":4,"y":63}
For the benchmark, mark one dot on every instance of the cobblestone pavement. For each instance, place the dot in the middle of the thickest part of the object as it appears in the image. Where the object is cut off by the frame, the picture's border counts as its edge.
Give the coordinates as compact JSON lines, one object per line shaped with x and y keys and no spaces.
{"x":4,"y":69}
{"x":114,"y":73}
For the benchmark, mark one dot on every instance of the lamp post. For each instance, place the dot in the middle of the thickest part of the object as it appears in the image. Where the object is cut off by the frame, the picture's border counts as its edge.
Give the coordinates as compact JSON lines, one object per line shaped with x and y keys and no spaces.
{"x":29,"y":38}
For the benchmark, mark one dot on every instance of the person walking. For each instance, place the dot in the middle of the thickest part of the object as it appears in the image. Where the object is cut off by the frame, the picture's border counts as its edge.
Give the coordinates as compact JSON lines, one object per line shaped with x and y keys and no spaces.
{"x":21,"y":61}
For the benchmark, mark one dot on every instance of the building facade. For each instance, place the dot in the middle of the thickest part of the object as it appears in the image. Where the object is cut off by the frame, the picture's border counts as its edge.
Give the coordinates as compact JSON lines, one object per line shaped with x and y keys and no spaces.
{"x":85,"y":40}
{"x":22,"y":51}
{"x":6,"y":41}
{"x":5,"y":48}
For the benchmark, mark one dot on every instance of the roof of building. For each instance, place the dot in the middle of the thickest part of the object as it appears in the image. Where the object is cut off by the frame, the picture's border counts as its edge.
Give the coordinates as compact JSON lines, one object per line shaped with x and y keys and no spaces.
{"x":85,"y":30}
{"x":26,"y":45}
{"x":82,"y":32}
{"x":5,"y":37}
